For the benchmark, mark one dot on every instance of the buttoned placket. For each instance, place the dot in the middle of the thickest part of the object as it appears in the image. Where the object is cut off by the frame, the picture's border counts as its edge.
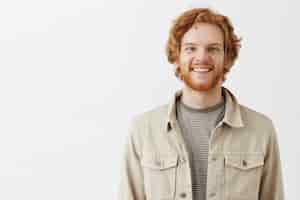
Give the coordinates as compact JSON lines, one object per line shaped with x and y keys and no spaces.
{"x":182,"y":148}
{"x":213,"y":163}
{"x":214,"y":168}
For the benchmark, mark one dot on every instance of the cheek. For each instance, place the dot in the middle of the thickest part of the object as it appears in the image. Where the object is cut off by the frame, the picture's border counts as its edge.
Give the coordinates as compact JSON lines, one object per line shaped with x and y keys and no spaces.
{"x":220,"y":58}
{"x":187,"y":60}
{"x":184,"y":59}
{"x":216,"y":60}
{"x":184,"y":62}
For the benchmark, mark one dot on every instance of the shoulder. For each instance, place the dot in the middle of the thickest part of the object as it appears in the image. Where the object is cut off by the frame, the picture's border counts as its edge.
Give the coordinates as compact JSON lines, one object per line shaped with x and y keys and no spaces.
{"x":255,"y":119}
{"x":149,"y":117}
{"x":146,"y":126}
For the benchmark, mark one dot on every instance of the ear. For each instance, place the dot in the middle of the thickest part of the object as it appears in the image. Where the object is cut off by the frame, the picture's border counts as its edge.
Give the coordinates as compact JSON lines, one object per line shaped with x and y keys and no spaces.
{"x":177,"y":61}
{"x":176,"y":66}
{"x":226,"y":63}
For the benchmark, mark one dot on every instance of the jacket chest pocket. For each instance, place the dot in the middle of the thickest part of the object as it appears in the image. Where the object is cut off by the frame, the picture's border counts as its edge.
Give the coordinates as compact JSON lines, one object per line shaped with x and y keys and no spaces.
{"x":160,"y":176}
{"x":242,"y":175}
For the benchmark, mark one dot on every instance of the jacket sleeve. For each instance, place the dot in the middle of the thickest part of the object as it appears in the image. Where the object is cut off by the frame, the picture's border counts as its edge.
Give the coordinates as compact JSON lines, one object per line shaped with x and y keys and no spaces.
{"x":131,"y":185}
{"x":271,"y":187}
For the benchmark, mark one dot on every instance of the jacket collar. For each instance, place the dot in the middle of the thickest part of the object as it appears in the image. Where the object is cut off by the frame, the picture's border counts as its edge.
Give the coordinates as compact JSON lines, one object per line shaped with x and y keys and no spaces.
{"x":232,"y":115}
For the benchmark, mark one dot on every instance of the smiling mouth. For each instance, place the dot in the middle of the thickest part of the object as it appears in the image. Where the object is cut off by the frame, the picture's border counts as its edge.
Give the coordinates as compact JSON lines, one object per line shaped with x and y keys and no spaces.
{"x":203,"y":70}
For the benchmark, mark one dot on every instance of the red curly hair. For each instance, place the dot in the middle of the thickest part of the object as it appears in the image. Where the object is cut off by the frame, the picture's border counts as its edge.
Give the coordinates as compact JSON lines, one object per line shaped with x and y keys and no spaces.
{"x":196,"y":15}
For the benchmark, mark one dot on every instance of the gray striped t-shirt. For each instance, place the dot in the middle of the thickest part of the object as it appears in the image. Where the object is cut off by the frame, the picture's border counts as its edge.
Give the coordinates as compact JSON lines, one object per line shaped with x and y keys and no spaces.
{"x":196,"y":126}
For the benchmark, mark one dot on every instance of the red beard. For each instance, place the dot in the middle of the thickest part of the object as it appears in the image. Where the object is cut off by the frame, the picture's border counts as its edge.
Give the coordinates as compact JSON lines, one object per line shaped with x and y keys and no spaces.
{"x":203,"y":82}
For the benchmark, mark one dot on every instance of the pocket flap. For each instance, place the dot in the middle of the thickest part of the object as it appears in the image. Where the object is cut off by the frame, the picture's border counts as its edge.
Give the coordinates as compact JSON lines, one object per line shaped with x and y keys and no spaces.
{"x":160,"y":163}
{"x":244,"y":161}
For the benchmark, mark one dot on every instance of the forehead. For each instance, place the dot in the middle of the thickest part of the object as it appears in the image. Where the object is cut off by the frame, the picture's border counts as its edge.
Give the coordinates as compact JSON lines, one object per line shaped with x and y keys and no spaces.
{"x":203,"y":33}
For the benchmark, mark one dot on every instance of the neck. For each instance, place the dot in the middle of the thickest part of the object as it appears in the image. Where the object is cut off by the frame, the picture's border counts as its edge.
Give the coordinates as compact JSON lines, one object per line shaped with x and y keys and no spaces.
{"x":201,"y":99}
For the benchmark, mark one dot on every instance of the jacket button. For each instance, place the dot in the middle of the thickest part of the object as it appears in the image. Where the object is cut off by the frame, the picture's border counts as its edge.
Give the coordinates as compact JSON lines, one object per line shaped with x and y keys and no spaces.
{"x":244,"y":163}
{"x":183,"y":195}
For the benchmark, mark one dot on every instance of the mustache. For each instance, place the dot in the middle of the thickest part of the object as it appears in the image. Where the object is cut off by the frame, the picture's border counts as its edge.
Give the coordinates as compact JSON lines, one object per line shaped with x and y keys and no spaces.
{"x":190,"y":65}
{"x":199,"y":64}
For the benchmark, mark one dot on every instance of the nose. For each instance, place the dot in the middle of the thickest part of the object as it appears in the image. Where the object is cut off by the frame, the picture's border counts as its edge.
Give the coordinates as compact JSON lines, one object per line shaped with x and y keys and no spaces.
{"x":201,"y":56}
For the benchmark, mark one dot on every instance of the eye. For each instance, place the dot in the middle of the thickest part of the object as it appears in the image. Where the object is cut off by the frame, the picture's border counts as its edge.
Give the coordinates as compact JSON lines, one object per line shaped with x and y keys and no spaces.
{"x":189,"y":49}
{"x":213,"y":49}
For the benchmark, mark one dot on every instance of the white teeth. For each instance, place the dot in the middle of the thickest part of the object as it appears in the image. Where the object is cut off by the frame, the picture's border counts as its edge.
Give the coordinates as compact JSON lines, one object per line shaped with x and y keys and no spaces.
{"x":200,"y":70}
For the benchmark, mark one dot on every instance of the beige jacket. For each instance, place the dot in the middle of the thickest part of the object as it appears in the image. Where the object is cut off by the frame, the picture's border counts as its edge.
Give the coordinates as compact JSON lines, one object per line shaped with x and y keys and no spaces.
{"x":243,"y":162}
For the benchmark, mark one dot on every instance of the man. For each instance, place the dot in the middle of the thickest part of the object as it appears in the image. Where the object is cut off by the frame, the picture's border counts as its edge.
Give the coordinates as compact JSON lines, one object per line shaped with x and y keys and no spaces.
{"x":203,"y":144}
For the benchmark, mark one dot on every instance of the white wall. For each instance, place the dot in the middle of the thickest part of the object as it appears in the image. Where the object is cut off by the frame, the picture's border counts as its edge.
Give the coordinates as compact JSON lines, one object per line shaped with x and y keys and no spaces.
{"x":73,"y":73}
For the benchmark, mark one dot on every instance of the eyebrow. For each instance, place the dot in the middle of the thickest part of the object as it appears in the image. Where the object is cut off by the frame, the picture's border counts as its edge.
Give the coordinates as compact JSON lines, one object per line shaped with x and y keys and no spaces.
{"x":211,"y":44}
